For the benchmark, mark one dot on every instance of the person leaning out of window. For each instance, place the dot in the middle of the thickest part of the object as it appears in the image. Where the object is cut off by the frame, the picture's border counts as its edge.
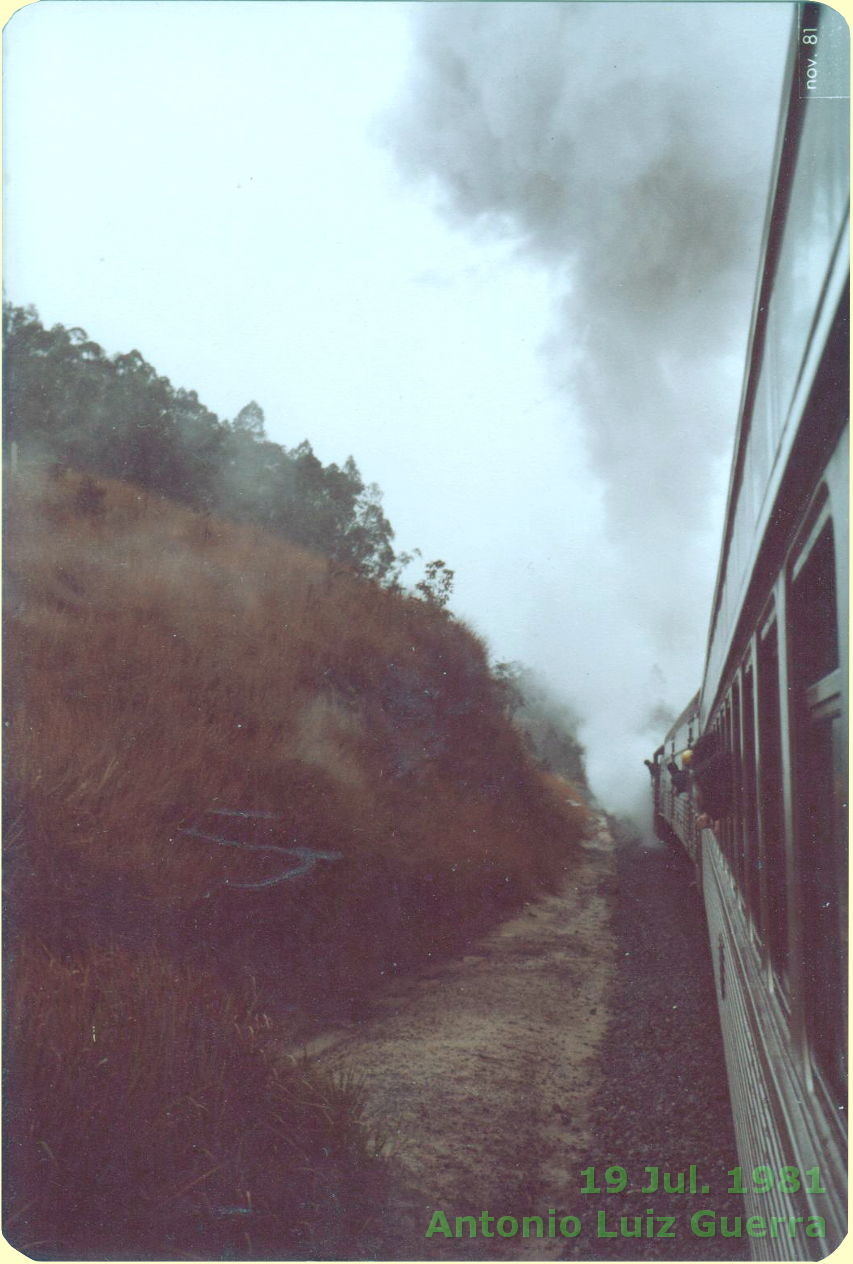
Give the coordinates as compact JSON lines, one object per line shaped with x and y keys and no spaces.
{"x":711,"y":769}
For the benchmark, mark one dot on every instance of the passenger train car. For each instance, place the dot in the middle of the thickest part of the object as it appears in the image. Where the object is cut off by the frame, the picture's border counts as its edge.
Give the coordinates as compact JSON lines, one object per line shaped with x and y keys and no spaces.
{"x":773,"y":868}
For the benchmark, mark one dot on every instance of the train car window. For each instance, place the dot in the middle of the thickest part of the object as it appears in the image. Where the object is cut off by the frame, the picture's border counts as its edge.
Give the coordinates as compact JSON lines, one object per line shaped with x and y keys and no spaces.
{"x":772,"y":861}
{"x":820,"y":795}
{"x":814,"y":615}
{"x":737,"y":822}
{"x":722,"y":832}
{"x":726,"y":823}
{"x":752,"y":858}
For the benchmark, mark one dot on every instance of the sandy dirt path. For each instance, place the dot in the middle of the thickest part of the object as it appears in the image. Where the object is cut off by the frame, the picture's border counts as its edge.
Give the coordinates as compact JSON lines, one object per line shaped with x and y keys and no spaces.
{"x":482,"y":1071}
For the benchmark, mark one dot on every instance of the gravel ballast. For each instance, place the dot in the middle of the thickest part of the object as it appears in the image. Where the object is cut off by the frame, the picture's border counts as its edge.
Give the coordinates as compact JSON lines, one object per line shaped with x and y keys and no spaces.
{"x":664,"y":1098}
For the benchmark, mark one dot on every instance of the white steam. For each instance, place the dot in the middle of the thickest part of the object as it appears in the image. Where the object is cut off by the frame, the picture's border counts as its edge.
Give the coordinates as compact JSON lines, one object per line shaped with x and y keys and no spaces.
{"x":626,"y":148}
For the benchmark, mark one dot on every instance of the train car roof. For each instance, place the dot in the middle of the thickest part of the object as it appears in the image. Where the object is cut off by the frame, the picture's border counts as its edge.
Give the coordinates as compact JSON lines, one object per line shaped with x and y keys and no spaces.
{"x":786,"y":157}
{"x":786,"y":135}
{"x":691,"y":709}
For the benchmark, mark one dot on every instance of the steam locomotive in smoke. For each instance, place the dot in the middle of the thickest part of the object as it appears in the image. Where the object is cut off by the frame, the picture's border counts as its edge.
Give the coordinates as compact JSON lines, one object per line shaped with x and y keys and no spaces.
{"x":751,"y":778}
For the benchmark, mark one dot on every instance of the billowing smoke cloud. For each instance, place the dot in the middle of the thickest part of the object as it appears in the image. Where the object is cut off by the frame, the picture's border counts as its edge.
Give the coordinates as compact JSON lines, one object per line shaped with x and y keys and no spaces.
{"x":626,"y":148}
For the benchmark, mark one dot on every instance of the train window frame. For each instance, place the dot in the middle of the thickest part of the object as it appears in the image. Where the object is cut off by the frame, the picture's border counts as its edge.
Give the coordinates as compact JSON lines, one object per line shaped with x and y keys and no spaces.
{"x":750,"y":795}
{"x":729,"y":823}
{"x":736,"y":764}
{"x":820,"y":842}
{"x":769,"y":619}
{"x":807,"y":537}
{"x":775,"y":869}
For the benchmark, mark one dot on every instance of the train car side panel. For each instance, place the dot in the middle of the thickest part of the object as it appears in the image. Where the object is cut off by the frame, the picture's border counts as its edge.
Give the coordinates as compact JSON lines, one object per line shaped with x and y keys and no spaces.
{"x":776,"y":1124}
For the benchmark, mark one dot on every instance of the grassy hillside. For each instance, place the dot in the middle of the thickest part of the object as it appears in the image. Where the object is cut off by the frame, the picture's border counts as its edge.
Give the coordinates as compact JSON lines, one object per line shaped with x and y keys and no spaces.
{"x":240,"y":781}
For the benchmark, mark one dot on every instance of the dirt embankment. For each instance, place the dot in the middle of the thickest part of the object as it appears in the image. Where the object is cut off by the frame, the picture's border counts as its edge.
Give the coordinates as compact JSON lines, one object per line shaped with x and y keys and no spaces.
{"x":581,"y":1032}
{"x":483,"y":1071}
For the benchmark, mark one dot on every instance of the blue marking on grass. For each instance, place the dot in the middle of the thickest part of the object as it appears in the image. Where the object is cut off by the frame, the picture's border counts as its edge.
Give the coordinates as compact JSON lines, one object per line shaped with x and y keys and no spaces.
{"x":308,"y":856}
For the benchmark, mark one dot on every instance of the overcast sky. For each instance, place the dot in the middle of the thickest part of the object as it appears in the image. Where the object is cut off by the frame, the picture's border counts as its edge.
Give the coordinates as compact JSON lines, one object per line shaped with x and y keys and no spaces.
{"x":503,"y":254}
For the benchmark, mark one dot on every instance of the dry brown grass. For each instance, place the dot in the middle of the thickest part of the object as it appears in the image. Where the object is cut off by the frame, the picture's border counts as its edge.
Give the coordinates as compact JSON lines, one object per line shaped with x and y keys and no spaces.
{"x":151,"y":1117}
{"x":571,"y":801}
{"x":162,"y":668}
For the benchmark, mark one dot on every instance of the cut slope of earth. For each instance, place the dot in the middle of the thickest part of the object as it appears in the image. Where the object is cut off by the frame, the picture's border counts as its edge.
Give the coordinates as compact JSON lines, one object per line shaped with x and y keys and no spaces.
{"x":581,"y":1032}
{"x":240,"y":781}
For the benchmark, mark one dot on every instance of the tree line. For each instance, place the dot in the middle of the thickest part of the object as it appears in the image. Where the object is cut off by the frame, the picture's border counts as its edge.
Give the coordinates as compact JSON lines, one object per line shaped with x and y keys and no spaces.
{"x":67,"y":401}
